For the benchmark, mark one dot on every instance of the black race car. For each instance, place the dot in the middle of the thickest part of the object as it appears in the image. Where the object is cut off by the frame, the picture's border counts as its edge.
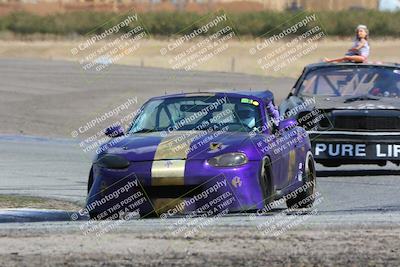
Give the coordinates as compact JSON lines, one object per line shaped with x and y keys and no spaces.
{"x":351,"y":111}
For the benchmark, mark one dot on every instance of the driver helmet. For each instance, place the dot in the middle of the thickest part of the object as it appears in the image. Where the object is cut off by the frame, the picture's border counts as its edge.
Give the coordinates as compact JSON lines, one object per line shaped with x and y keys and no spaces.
{"x":246,"y":115}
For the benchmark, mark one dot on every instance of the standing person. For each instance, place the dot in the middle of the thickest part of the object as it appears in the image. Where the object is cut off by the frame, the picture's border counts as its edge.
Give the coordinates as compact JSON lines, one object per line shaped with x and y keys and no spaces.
{"x":359,"y":52}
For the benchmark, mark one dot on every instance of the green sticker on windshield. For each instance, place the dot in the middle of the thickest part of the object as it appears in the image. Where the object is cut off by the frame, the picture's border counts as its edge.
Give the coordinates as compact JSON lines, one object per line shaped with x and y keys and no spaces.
{"x":246,"y":100}
{"x":249,"y":101}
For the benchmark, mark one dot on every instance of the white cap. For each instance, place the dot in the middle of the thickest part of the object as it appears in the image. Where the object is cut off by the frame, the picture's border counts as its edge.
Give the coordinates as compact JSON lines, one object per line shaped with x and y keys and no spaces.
{"x":362,"y":27}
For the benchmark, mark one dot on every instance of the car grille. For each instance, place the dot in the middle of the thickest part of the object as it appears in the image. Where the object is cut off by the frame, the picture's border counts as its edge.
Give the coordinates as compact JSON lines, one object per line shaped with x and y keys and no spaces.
{"x":367,"y":123}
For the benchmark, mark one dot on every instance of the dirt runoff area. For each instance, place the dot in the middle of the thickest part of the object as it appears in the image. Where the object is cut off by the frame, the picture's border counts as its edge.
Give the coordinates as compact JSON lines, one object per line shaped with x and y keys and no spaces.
{"x":149,"y":54}
{"x":226,"y":245}
{"x":17,"y":201}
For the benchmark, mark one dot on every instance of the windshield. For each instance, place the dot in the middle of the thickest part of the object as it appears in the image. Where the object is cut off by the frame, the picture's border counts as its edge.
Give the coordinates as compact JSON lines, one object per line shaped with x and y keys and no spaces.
{"x":352,"y":81}
{"x":198,"y":113}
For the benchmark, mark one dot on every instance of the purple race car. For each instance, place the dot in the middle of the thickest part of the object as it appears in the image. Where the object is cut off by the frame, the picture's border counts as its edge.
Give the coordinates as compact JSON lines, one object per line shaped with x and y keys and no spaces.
{"x":202,"y":153}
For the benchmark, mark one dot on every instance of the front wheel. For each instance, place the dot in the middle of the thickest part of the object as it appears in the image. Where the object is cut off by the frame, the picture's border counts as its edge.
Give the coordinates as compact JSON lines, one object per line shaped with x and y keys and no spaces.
{"x":90,"y":180}
{"x":305,"y":198}
{"x":266,"y":181}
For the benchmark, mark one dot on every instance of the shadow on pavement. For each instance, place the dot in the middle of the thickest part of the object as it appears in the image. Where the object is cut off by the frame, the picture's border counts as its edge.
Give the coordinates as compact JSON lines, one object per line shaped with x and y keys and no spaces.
{"x":38,"y":215}
{"x":376,"y":172}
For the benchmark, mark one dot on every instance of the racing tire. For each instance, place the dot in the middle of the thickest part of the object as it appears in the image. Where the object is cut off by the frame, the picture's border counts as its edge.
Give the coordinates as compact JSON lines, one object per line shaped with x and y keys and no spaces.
{"x":305,"y":198}
{"x":92,"y":215}
{"x":90,"y":180}
{"x":266,"y":181}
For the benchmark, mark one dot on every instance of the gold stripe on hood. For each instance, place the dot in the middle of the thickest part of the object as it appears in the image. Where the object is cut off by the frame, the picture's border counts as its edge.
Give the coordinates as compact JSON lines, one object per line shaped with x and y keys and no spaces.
{"x":169,"y":161}
{"x":174,"y":146}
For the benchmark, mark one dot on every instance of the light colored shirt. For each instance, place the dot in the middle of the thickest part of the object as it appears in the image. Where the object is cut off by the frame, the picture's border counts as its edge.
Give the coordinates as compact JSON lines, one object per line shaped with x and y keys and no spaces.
{"x":363,"y":51}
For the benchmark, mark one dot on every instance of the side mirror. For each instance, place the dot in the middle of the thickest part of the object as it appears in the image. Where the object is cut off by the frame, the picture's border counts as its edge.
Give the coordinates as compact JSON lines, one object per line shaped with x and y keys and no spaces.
{"x":287,"y":124}
{"x":114,"y":131}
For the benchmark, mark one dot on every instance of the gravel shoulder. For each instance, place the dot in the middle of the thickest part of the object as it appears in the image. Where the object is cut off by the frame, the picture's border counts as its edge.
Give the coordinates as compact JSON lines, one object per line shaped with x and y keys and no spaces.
{"x":18,"y":201}
{"x":232,"y":241}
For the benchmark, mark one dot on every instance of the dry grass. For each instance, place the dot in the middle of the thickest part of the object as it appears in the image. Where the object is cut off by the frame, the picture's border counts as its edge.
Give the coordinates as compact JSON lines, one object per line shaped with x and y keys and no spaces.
{"x":149,"y":55}
{"x":15,"y":201}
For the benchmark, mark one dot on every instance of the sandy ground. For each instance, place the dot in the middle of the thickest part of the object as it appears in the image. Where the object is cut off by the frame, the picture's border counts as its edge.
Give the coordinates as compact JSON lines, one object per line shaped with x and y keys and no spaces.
{"x":17,"y":201}
{"x":148,"y":54}
{"x":237,"y":245}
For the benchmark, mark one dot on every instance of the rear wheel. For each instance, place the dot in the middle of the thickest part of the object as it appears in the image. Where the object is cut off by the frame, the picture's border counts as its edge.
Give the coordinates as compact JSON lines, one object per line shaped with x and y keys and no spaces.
{"x":305,"y":198}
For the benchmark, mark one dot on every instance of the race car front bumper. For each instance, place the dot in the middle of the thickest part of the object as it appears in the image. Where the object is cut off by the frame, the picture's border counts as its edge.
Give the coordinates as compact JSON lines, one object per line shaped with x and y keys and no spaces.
{"x":347,"y":147}
{"x":199,"y":188}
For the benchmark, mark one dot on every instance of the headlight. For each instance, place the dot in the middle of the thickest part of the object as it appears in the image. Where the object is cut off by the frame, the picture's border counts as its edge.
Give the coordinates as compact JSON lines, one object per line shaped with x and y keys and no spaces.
{"x":228,"y":160}
{"x":112,"y":162}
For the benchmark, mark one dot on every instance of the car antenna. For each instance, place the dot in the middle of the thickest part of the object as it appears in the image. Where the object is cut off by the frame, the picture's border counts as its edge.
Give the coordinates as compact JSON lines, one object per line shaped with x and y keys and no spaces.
{"x":165,"y":91}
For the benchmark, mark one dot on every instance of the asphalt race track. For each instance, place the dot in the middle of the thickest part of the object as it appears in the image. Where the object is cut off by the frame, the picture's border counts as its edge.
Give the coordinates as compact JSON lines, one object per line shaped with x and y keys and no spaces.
{"x":52,"y":98}
{"x":357,"y":220}
{"x":58,"y":168}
